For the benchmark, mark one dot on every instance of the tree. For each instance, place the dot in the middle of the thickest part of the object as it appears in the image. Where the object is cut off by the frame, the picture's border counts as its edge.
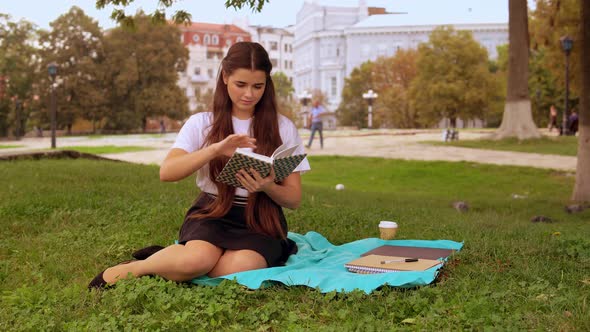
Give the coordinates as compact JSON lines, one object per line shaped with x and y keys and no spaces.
{"x":352,"y":110}
{"x":582,"y":187}
{"x":284,"y":94}
{"x":180,"y":16}
{"x":141,"y":69}
{"x":517,"y":120}
{"x":549,"y":22}
{"x":18,"y":70}
{"x":75,"y":43}
{"x":453,"y":79}
{"x":392,"y":78}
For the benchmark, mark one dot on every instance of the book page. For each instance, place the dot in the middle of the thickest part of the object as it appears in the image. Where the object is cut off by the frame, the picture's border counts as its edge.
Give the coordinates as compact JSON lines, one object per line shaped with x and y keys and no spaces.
{"x":250,"y":153}
{"x":284,"y":151}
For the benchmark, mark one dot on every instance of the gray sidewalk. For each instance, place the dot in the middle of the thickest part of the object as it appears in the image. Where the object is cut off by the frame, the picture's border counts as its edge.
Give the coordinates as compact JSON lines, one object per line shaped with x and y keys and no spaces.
{"x":394,"y":144}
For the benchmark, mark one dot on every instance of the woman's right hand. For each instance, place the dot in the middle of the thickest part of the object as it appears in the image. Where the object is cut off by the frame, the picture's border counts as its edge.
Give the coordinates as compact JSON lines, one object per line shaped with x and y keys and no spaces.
{"x":228,"y":146}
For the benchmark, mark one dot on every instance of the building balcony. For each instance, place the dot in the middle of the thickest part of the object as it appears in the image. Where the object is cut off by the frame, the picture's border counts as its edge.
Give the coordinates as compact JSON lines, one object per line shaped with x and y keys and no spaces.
{"x":199,"y":79}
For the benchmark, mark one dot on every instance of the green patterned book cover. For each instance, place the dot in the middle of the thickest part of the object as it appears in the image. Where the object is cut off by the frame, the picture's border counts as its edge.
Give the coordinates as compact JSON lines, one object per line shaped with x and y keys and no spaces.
{"x":283,"y":161}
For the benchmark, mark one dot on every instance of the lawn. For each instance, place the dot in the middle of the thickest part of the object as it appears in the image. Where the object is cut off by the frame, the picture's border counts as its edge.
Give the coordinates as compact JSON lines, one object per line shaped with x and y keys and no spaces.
{"x":560,"y":145}
{"x":63,"y":221}
{"x":105,"y":149}
{"x":10,"y":146}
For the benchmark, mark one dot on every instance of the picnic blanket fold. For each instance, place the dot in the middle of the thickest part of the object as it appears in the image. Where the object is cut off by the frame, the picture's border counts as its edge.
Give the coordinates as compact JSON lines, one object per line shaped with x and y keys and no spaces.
{"x":320,"y":264}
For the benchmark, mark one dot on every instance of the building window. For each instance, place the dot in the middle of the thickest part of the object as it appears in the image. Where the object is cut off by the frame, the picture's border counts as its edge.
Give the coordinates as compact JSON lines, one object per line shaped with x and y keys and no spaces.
{"x":290,"y":64}
{"x":215,"y":40}
{"x":274,"y":62}
{"x":196,"y":38}
{"x":239,"y":39}
{"x":198,"y":71}
{"x":287,"y":65}
{"x":206,"y":40}
{"x":337,"y":51}
{"x":228,"y":43}
{"x":210,"y":73}
{"x":333,"y":83}
{"x":274,"y":46}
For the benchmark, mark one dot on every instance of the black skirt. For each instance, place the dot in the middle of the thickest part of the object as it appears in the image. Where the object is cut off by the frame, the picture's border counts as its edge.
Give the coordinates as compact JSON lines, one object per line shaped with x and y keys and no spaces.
{"x":231,"y":232}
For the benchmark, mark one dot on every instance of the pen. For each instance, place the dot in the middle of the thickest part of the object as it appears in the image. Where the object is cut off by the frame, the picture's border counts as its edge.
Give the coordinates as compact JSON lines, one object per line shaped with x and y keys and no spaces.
{"x":405,"y":260}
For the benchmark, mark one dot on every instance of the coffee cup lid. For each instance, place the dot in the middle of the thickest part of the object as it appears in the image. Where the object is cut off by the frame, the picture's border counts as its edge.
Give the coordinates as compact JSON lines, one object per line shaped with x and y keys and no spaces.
{"x":388,"y":224}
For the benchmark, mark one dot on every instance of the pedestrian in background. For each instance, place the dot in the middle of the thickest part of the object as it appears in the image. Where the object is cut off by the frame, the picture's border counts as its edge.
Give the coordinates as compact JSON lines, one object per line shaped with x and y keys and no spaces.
{"x":315,"y":119}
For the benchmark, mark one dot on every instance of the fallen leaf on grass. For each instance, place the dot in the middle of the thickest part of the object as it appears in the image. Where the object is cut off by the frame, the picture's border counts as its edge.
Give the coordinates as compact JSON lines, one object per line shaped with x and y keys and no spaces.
{"x":409,"y":321}
{"x":586,"y":281}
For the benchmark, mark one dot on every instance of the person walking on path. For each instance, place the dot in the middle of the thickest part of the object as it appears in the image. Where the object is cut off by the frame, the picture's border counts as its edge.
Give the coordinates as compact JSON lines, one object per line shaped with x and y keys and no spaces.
{"x":573,"y":123}
{"x":227,"y":230}
{"x":552,"y":118}
{"x":316,"y":122}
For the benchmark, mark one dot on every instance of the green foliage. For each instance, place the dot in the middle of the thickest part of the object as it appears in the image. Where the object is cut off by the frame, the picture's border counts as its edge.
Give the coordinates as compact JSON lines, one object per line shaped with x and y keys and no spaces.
{"x":284,"y":95}
{"x":63,"y":221}
{"x":179,"y":16}
{"x":453,"y":79}
{"x":562,"y":145}
{"x":141,"y":69}
{"x":392,"y":78}
{"x":75,"y":44}
{"x":18,"y":61}
{"x":352,"y":110}
{"x":548,"y":23}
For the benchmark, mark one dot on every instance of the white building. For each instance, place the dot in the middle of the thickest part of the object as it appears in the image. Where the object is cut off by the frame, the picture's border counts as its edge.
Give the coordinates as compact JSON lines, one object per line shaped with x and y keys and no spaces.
{"x":278,"y":42}
{"x":207,"y":44}
{"x":331,"y":39}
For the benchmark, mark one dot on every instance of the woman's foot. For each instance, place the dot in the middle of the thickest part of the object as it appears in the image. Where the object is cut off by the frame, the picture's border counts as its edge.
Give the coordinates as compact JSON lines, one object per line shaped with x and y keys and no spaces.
{"x":109,"y":276}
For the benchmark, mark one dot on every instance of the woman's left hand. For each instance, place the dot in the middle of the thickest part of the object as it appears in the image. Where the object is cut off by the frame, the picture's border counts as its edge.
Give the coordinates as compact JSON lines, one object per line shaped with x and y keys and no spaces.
{"x":255,"y":182}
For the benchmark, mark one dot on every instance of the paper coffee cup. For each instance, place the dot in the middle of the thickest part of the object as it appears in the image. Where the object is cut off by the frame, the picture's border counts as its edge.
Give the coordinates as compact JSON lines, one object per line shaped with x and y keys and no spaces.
{"x":387,"y":229}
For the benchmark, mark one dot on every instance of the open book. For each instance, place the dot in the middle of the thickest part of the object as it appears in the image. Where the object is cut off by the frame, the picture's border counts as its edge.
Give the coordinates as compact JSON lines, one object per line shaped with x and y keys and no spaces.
{"x":380,"y":264}
{"x":282,"y":160}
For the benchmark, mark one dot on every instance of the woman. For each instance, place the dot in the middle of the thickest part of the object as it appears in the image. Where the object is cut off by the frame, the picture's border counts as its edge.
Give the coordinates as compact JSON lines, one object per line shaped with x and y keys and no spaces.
{"x":228,"y":229}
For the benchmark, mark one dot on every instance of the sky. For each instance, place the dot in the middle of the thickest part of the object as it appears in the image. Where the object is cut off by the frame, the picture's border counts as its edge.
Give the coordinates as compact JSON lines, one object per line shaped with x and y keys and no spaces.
{"x":277,"y":13}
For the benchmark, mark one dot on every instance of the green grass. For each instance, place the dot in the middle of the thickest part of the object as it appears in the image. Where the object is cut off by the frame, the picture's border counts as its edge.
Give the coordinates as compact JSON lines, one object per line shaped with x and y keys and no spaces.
{"x":10,"y":146}
{"x":105,"y":149}
{"x":561,"y":145}
{"x":63,"y":221}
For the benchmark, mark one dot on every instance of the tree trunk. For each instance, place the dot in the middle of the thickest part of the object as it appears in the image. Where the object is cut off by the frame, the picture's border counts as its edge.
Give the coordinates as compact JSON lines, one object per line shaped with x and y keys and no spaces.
{"x":517,"y":120}
{"x":582,"y":186}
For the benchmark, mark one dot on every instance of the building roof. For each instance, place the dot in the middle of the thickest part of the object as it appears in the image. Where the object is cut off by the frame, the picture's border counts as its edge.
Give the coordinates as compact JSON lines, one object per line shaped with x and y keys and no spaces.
{"x":221,"y":28}
{"x":408,"y":19}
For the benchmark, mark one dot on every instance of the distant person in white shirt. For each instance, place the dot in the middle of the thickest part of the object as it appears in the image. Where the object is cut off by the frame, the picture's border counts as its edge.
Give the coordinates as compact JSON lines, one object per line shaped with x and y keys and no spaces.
{"x":316,"y":122}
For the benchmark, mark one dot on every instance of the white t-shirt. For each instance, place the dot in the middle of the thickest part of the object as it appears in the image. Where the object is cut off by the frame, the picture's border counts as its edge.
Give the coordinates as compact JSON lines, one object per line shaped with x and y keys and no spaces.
{"x":192,"y":138}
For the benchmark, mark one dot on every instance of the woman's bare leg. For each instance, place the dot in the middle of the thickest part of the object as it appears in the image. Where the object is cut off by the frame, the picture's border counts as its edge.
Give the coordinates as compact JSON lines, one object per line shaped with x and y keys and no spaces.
{"x":233,"y":261}
{"x":175,"y":262}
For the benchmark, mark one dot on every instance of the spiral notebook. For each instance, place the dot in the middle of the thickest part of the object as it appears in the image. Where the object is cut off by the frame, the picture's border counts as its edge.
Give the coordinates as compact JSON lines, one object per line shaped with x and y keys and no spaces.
{"x":416,"y":252}
{"x":373,"y":264}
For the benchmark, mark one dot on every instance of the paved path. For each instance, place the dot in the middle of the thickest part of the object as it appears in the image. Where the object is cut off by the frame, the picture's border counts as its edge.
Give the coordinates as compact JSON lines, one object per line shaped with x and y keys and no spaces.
{"x":395,"y":144}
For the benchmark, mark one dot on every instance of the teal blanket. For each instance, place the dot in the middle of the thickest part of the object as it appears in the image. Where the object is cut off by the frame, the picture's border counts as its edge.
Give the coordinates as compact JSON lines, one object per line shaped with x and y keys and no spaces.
{"x":320,"y":264}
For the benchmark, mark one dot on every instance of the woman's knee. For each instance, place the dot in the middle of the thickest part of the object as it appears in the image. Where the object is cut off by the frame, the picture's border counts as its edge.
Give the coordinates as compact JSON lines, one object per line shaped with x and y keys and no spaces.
{"x":197,"y":261}
{"x":238,"y":261}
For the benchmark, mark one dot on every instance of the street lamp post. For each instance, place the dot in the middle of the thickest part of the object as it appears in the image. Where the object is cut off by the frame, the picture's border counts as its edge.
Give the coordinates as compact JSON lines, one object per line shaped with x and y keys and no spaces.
{"x":567,"y":43}
{"x":52,"y":70}
{"x":17,"y":110}
{"x":370,"y":96}
{"x":304,"y":98}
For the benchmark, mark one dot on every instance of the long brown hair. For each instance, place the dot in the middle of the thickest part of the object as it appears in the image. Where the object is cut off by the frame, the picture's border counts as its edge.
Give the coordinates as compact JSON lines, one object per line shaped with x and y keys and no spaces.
{"x":262,"y":213}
